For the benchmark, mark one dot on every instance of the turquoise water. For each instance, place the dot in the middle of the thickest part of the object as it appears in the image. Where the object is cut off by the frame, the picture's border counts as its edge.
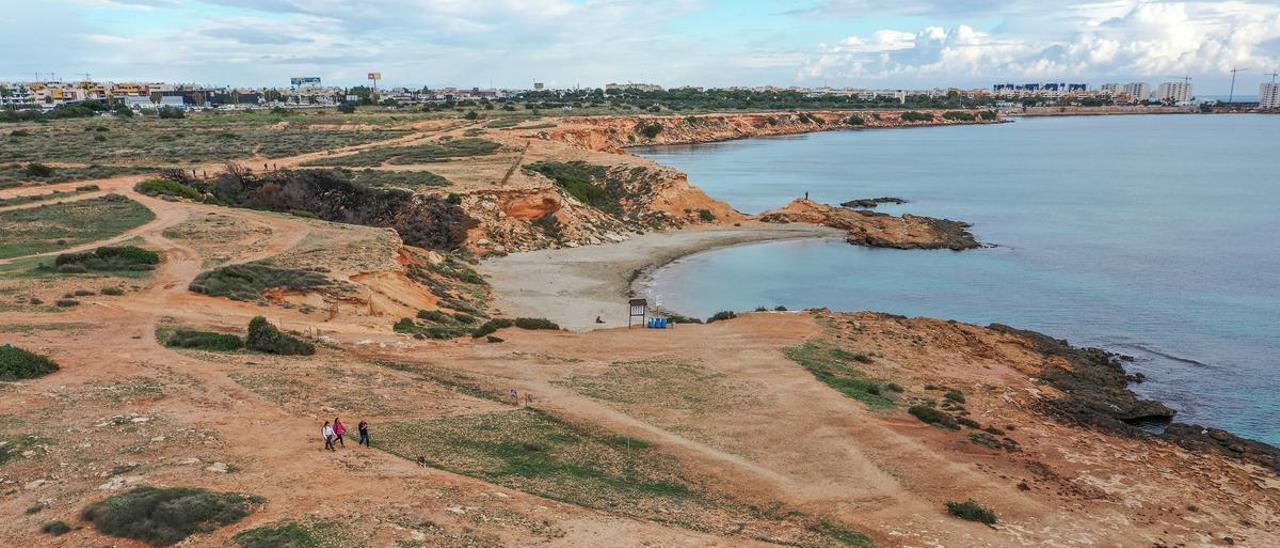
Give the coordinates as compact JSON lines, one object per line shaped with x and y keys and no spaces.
{"x":1155,"y":236}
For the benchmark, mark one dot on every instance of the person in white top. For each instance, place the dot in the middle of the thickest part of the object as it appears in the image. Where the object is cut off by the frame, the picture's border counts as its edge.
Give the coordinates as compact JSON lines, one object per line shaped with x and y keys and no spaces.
{"x":327,"y":432}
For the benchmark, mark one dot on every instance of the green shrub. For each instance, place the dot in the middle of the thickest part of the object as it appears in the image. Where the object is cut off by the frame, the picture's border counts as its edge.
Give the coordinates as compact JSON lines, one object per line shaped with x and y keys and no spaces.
{"x":56,"y":528}
{"x":36,"y":170}
{"x":913,"y":116}
{"x":959,"y":116}
{"x":112,"y":291}
{"x":536,"y":323}
{"x":966,"y":421}
{"x":722,"y":315}
{"x":680,"y":318}
{"x":493,"y":339}
{"x":972,"y":511}
{"x":168,"y":112}
{"x":18,"y":364}
{"x":165,"y":187}
{"x":988,"y":115}
{"x":204,"y":340}
{"x":894,"y":387}
{"x":649,"y":129}
{"x":492,"y":326}
{"x":83,"y":293}
{"x":283,"y":535}
{"x":246,"y":282}
{"x":955,"y":396}
{"x":706,"y":216}
{"x":264,"y":337}
{"x":855,"y":120}
{"x":165,"y":516}
{"x":66,"y":303}
{"x":347,"y":108}
{"x":107,"y":259}
{"x":779,"y":308}
{"x":932,"y":416}
{"x":471,"y":115}
{"x":580,"y":180}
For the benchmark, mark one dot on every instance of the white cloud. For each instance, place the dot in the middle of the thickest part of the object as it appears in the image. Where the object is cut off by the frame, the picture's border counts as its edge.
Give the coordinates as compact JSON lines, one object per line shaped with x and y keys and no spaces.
{"x":1124,"y":39}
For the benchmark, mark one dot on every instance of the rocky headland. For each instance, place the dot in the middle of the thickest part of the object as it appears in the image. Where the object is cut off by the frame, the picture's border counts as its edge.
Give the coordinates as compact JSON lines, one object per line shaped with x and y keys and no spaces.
{"x":871,"y":229}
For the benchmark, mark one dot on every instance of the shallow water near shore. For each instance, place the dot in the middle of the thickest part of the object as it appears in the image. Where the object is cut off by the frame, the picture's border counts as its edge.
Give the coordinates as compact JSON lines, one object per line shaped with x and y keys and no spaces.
{"x":1153,"y":236}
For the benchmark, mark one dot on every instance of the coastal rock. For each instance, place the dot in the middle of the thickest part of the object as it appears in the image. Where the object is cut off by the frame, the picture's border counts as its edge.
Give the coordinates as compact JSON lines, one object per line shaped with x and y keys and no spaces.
{"x":871,"y":203}
{"x":871,"y":229}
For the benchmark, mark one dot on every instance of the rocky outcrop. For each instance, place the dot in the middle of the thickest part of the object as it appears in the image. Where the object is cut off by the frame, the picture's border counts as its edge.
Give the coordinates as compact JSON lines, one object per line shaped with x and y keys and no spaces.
{"x":872,"y":229}
{"x":614,"y":133}
{"x":1095,"y":393}
{"x":871,"y":203}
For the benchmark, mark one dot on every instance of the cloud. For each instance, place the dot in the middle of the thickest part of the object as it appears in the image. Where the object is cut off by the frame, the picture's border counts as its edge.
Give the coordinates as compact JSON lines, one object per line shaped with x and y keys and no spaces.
{"x":1137,"y":39}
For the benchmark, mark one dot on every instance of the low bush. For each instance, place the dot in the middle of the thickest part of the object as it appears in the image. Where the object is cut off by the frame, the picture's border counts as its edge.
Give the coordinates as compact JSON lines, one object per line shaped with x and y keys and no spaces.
{"x":649,"y":129}
{"x":492,"y":326}
{"x":264,"y":337}
{"x":18,"y":364}
{"x":112,"y":291}
{"x":165,"y":187}
{"x":706,"y":216}
{"x":722,"y":315}
{"x":246,"y":282}
{"x":680,"y":318}
{"x":83,"y":293}
{"x":165,"y":516}
{"x":204,"y":340}
{"x":955,"y":396}
{"x":855,"y":120}
{"x":36,"y":170}
{"x":959,"y":116}
{"x":913,"y":116}
{"x":972,"y":511}
{"x":66,"y":303}
{"x":894,"y":387}
{"x":536,"y":323}
{"x":107,"y":259}
{"x":966,"y":421}
{"x":56,"y":528}
{"x":932,"y":416}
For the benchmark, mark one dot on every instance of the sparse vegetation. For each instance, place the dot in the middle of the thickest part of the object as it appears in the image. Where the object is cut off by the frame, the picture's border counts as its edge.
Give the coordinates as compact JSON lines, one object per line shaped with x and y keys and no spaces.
{"x":281,"y":535}
{"x":407,"y":155}
{"x":264,"y":337}
{"x":15,"y":174}
{"x":959,"y":116}
{"x":246,"y":282}
{"x":165,"y":516}
{"x":17,"y":364}
{"x":955,"y":396}
{"x":495,"y":324}
{"x":971,"y":510}
{"x":649,"y":129}
{"x":914,"y":116}
{"x":581,"y":180}
{"x":706,"y":216}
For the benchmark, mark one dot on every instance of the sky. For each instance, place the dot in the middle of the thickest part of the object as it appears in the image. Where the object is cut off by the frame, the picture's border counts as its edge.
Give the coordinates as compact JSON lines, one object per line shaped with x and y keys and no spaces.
{"x":511,"y":43}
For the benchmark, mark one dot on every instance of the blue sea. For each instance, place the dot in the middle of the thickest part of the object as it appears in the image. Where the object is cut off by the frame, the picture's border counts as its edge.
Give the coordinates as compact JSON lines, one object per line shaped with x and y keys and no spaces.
{"x":1155,"y":236}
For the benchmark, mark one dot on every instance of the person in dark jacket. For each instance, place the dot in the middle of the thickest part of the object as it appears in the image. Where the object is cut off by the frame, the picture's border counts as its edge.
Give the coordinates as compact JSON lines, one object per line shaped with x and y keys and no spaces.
{"x":363,"y":427}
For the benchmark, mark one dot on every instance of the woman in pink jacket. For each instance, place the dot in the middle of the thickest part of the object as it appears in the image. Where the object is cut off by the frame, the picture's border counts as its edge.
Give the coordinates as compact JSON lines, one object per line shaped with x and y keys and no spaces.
{"x":338,"y":430}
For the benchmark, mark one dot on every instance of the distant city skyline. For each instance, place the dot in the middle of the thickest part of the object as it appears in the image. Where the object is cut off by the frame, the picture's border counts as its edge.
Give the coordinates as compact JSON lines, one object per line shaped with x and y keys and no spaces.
{"x":912,"y":44}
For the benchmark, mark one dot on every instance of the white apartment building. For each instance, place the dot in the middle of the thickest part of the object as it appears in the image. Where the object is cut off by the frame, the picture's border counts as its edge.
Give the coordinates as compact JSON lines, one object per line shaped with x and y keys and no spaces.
{"x":1132,"y":92}
{"x":1178,"y":93}
{"x":1269,"y":95}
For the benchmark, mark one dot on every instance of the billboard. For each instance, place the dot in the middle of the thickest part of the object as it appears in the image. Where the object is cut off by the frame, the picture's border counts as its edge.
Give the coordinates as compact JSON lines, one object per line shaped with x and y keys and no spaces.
{"x":297,"y":81}
{"x":375,"y":75}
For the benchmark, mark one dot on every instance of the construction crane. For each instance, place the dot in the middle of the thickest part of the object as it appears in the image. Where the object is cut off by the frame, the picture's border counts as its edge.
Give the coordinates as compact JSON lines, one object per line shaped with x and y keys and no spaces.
{"x":1231,"y":97}
{"x":1273,"y":75}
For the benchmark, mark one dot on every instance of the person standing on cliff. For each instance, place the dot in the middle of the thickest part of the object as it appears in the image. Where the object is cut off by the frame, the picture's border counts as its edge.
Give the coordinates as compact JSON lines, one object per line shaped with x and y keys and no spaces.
{"x":327,"y":432}
{"x":806,"y":195}
{"x":363,"y":428}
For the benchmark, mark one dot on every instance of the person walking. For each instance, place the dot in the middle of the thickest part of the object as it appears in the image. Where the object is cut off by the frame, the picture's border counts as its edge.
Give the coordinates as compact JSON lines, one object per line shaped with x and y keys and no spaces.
{"x":327,"y":432}
{"x":363,"y":427}
{"x":338,"y":430}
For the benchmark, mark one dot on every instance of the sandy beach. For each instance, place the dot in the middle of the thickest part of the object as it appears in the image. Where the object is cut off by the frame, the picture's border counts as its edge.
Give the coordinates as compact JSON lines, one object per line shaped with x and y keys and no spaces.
{"x":573,"y":286}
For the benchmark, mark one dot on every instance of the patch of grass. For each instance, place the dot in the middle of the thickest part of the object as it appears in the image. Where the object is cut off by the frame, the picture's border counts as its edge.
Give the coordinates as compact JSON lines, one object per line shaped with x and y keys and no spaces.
{"x":971,"y":510}
{"x":542,"y":454}
{"x":56,"y":528}
{"x":955,"y":396}
{"x":18,"y":364}
{"x":165,"y":516}
{"x":16,"y":174}
{"x":201,"y":340}
{"x":264,"y":337}
{"x":111,"y":291}
{"x":583,"y":181}
{"x":58,"y":226}
{"x":403,"y":179}
{"x":66,"y":303}
{"x":832,"y":366}
{"x":246,"y":282}
{"x":933,"y":416}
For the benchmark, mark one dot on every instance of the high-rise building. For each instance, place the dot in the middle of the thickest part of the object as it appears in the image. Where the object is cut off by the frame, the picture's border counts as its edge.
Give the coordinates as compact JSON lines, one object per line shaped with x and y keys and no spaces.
{"x":1174,"y":92}
{"x":1133,"y":92}
{"x":1269,"y":95}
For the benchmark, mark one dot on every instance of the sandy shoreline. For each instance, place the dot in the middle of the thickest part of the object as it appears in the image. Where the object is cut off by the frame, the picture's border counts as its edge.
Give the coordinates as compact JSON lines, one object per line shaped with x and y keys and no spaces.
{"x":572,"y":286}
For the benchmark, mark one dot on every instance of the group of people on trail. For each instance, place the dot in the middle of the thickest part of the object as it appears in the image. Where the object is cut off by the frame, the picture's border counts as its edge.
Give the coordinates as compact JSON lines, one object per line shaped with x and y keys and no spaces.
{"x":334,"y":432}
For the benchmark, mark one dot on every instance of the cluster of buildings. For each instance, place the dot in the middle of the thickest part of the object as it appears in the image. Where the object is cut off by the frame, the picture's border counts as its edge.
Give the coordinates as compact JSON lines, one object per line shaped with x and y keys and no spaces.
{"x":139,"y":95}
{"x":1177,"y":93}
